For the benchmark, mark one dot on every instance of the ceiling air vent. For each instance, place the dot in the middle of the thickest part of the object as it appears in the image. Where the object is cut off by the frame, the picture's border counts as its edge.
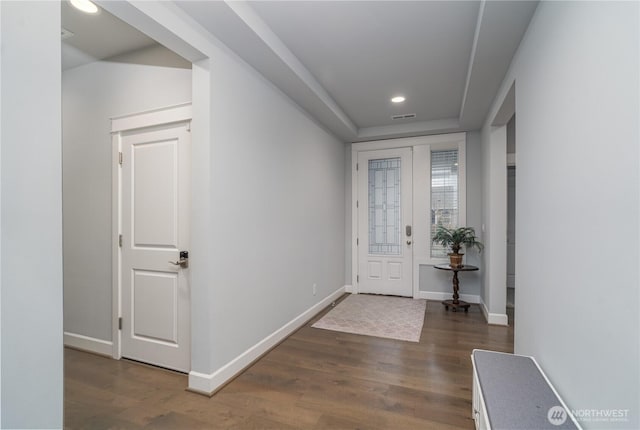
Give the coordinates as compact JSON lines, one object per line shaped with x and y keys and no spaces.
{"x":405,"y":116}
{"x":65,"y":34}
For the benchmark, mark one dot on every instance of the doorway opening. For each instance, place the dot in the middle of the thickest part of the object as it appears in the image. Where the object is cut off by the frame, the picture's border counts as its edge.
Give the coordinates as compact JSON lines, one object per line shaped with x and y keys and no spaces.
{"x":400,"y":189}
{"x":110,"y":69}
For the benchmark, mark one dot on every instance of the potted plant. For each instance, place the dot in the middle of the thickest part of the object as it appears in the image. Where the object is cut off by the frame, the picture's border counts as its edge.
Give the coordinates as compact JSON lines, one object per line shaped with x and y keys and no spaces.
{"x":456,"y":238}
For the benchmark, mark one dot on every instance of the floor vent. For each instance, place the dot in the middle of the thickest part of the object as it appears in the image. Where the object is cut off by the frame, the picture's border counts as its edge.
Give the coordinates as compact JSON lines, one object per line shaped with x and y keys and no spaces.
{"x":405,"y":116}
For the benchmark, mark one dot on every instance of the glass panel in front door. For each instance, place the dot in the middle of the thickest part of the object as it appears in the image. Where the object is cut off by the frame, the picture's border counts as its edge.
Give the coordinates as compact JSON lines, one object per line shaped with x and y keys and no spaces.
{"x":385,"y":217}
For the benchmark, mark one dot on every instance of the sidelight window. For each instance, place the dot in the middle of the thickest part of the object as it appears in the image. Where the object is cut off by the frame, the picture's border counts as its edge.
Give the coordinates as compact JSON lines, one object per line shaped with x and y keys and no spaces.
{"x":445,"y":196}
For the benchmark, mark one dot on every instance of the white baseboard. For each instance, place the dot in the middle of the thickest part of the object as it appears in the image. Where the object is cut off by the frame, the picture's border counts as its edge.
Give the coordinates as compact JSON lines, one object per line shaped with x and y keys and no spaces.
{"x":86,"y":343}
{"x":494,"y":319}
{"x":209,"y":383}
{"x":437,"y":295}
{"x":349,"y":289}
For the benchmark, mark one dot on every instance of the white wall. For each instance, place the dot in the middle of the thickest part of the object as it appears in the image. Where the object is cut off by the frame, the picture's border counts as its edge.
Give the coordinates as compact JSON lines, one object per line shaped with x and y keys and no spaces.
{"x":494,"y":219}
{"x":31,"y":242}
{"x":577,"y":106}
{"x":91,"y":95}
{"x":278,"y":205}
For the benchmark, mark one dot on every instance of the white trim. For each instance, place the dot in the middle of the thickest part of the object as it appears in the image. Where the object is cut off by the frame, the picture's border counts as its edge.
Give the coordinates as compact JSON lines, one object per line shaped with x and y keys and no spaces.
{"x":421,"y":206}
{"x":493,"y":319}
{"x":472,"y":58}
{"x":511,"y":160}
{"x":172,"y":27}
{"x":349,"y":289}
{"x":480,"y":418}
{"x":354,"y":220}
{"x":260,"y":29}
{"x":165,"y":115}
{"x":209,"y":383}
{"x":116,"y":192}
{"x":435,"y":142}
{"x":86,"y":343}
{"x":462,"y":194}
{"x":439,"y":296}
{"x":417,"y":128}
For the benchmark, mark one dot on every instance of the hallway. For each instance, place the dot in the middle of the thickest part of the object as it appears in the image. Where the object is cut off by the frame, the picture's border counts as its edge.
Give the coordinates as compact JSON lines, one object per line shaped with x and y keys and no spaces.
{"x":315,"y":379}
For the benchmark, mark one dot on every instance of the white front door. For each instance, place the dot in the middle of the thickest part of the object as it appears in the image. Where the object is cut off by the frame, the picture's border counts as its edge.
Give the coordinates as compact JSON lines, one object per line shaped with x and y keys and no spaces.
{"x":385,"y":222}
{"x":155,"y":294}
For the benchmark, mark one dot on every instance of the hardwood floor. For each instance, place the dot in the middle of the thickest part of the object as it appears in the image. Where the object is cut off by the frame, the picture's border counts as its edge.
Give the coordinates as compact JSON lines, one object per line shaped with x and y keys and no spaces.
{"x":315,"y":379}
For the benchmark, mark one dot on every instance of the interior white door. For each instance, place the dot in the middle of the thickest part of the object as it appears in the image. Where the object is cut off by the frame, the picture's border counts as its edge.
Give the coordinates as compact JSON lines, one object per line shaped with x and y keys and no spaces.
{"x":385,"y":251}
{"x":155,"y":229}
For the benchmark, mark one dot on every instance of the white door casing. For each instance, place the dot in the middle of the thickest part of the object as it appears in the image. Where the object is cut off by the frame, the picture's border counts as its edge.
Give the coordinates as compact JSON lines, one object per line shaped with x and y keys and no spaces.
{"x":154,"y":218}
{"x":385,"y":251}
{"x":511,"y":227}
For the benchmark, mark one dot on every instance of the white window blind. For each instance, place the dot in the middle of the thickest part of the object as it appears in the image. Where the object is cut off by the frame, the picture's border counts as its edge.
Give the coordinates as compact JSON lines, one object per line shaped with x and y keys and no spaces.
{"x":445,"y":208}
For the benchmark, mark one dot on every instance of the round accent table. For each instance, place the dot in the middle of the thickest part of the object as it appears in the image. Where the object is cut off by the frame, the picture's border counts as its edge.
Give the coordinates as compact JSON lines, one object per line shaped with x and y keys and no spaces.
{"x":455,"y":303}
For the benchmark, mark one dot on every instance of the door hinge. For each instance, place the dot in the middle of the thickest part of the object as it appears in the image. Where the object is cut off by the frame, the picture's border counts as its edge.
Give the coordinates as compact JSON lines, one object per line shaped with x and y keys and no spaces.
{"x":357,"y":167}
{"x":357,"y":204}
{"x":120,"y":323}
{"x":120,"y":241}
{"x":357,"y":278}
{"x":120,"y":158}
{"x":357,"y":241}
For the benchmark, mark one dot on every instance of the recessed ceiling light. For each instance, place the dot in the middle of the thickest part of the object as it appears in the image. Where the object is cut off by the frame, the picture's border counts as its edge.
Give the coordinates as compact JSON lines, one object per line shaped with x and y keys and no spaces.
{"x":85,"y":6}
{"x":398,"y":99}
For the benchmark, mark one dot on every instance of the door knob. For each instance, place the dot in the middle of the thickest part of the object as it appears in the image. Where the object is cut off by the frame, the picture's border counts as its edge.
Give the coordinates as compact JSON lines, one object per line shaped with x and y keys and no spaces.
{"x":183,"y":261}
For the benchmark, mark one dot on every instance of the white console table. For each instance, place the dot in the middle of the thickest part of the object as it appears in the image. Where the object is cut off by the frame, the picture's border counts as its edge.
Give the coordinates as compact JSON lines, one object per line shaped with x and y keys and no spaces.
{"x":512,"y":392}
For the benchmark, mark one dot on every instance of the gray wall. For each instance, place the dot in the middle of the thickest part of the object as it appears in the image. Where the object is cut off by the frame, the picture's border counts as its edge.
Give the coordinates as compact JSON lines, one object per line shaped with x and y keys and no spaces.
{"x":278,"y":205}
{"x":347,"y":214}
{"x":576,"y":76}
{"x":31,"y":226}
{"x":91,"y":95}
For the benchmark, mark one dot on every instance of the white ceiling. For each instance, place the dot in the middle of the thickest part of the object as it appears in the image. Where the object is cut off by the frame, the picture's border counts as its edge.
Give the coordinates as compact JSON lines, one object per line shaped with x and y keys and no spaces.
{"x":96,"y":37}
{"x":365,"y":53}
{"x":342,"y":61}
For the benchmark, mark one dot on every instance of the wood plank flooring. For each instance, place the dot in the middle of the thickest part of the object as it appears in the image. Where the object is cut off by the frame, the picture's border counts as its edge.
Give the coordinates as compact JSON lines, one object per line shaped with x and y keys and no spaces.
{"x":315,"y":379}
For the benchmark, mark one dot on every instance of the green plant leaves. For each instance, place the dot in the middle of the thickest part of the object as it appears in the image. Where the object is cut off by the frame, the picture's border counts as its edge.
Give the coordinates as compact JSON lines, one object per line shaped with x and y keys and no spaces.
{"x":454,"y":238}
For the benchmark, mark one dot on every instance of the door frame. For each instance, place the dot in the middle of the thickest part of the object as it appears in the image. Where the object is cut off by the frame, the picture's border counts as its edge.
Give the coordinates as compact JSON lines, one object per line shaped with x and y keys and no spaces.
{"x":138,"y":121}
{"x":422,"y":147}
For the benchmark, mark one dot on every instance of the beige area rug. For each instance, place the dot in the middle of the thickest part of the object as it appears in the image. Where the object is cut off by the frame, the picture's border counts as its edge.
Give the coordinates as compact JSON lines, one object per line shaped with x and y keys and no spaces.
{"x":381,"y":316}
